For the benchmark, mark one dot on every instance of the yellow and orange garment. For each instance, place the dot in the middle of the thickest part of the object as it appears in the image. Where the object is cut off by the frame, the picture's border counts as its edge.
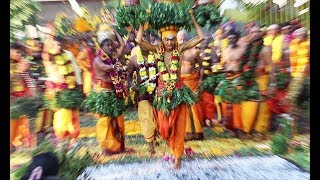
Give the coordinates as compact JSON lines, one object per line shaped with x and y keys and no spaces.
{"x":195,"y":119}
{"x":19,"y":132}
{"x":173,"y":126}
{"x":109,"y":130}
{"x":44,"y":120}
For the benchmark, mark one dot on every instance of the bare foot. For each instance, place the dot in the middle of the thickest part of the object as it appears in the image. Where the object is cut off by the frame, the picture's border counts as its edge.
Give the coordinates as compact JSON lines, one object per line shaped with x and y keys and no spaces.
{"x":177,"y":163}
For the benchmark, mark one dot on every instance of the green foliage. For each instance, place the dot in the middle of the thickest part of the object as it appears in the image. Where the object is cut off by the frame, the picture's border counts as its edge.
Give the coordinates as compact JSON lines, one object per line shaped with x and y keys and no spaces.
{"x":282,"y":79}
{"x":26,"y":106}
{"x":211,"y":82}
{"x":300,"y":158}
{"x":166,"y":14}
{"x":131,"y":16}
{"x":208,"y":16}
{"x":64,"y":26}
{"x":104,"y":103}
{"x":22,"y":12}
{"x":249,"y":151}
{"x":279,"y":144}
{"x":69,"y":98}
{"x":230,"y":91}
{"x":179,"y":96}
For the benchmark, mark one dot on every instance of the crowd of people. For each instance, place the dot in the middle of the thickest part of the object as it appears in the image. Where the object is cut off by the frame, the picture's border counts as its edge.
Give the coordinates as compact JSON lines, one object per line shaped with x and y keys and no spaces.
{"x":180,"y":84}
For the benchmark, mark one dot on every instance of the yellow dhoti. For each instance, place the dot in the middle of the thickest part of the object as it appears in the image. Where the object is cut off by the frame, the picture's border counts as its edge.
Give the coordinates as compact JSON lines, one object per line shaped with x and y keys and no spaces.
{"x":110,"y":133}
{"x":146,"y":120}
{"x":44,"y":120}
{"x":66,"y":122}
{"x":194,"y":118}
{"x":87,"y":82}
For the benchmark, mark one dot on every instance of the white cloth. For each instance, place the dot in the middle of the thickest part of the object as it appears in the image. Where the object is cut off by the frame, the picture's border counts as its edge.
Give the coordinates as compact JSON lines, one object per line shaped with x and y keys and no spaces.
{"x":75,"y":66}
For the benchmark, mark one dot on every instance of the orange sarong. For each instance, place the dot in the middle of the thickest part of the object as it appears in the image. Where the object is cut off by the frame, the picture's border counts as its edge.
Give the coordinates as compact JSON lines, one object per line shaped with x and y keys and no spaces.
{"x":232,"y":115}
{"x":173,"y":128}
{"x":195,"y":119}
{"x":208,"y":105}
{"x":19,"y":131}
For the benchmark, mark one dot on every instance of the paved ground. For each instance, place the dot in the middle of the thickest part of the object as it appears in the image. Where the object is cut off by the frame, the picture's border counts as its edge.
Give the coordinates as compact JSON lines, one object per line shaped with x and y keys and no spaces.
{"x":238,"y":168}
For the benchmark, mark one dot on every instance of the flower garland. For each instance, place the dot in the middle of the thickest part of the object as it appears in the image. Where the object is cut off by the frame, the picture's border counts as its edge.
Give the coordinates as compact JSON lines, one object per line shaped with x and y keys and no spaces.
{"x":277,"y":48}
{"x":65,"y":69}
{"x":206,"y":57}
{"x":149,"y":66}
{"x":169,"y":78}
{"x":118,"y":78}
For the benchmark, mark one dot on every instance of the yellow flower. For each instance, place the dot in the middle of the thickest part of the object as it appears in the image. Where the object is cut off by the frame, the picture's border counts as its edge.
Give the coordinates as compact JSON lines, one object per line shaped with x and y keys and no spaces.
{"x":206,"y":71}
{"x":165,"y":76}
{"x":150,"y":88}
{"x":70,"y":79}
{"x":62,"y":70}
{"x":65,"y":56}
{"x":174,"y":76}
{"x":152,"y":73}
{"x":143,"y":73}
{"x":207,"y":58}
{"x":205,"y":63}
{"x":207,"y":51}
{"x":71,"y":86}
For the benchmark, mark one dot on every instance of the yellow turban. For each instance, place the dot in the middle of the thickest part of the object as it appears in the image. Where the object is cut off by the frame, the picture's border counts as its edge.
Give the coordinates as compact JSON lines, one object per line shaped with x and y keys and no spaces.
{"x":169,"y":34}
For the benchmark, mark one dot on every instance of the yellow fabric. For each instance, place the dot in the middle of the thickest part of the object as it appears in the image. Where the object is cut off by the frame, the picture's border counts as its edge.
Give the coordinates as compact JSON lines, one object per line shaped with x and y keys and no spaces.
{"x":44,"y":120}
{"x":264,"y":117}
{"x":63,"y":123}
{"x":83,"y":60}
{"x":146,"y":120}
{"x":166,"y":33}
{"x":263,"y":82}
{"x":87,"y":82}
{"x":267,"y":41}
{"x":105,"y":133}
{"x":277,"y":45}
{"x":299,"y":57}
{"x":218,"y":101}
{"x":249,"y":111}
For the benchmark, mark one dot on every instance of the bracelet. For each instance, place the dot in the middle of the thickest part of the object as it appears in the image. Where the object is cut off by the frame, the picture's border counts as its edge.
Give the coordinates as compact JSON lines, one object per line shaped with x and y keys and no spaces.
{"x":273,"y":84}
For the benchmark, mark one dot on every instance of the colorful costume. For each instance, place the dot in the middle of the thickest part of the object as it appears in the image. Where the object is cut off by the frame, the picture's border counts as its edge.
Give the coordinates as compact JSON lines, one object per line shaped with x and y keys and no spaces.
{"x":195,"y":119}
{"x":107,"y":100}
{"x":145,"y":92}
{"x":63,"y":97}
{"x":171,"y":101}
{"x":20,"y":89}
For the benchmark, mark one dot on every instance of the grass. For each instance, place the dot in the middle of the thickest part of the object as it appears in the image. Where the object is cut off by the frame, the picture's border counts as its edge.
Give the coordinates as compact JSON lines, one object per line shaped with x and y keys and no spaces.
{"x":301,"y":158}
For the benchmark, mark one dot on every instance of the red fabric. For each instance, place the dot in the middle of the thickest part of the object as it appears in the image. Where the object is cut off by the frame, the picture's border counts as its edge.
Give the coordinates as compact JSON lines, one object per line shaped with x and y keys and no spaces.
{"x":91,"y":56}
{"x":274,"y":103}
{"x":208,"y":106}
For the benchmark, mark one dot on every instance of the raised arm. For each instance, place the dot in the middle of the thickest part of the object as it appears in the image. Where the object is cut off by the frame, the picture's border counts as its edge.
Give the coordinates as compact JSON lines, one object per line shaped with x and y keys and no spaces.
{"x":102,"y":66}
{"x":122,"y":45}
{"x":144,"y":44}
{"x":196,"y":40}
{"x":131,"y":68}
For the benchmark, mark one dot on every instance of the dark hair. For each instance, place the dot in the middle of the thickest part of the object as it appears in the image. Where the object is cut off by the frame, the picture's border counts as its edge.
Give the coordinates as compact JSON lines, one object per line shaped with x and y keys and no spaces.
{"x":49,"y":163}
{"x":105,"y":41}
{"x":237,"y":34}
{"x":60,"y":39}
{"x":15,"y":46}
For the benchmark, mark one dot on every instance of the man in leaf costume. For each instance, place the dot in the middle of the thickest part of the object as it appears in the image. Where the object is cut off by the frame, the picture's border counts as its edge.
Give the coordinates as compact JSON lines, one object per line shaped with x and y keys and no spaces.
{"x":172,"y":96}
{"x":106,"y":99}
{"x":143,"y":62}
{"x":85,"y":59}
{"x":233,"y":93}
{"x":257,"y":78}
{"x":62,"y":94}
{"x":193,"y":80}
{"x":20,"y":87}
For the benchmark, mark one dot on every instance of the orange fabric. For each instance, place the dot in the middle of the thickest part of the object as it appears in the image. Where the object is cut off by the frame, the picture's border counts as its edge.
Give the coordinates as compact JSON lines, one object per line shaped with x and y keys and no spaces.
{"x":232,"y":115}
{"x":191,"y":81}
{"x":106,"y":133}
{"x":173,"y":128}
{"x":19,"y":131}
{"x":208,"y":105}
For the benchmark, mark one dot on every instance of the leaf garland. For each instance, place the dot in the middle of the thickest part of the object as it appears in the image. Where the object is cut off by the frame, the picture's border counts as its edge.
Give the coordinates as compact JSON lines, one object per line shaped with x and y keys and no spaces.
{"x":211,"y":82}
{"x":207,"y":16}
{"x":179,"y":96}
{"x":132,"y":16}
{"x":232,"y":90}
{"x":69,"y":98}
{"x":26,"y":106}
{"x":104,"y":103}
{"x":166,"y":14}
